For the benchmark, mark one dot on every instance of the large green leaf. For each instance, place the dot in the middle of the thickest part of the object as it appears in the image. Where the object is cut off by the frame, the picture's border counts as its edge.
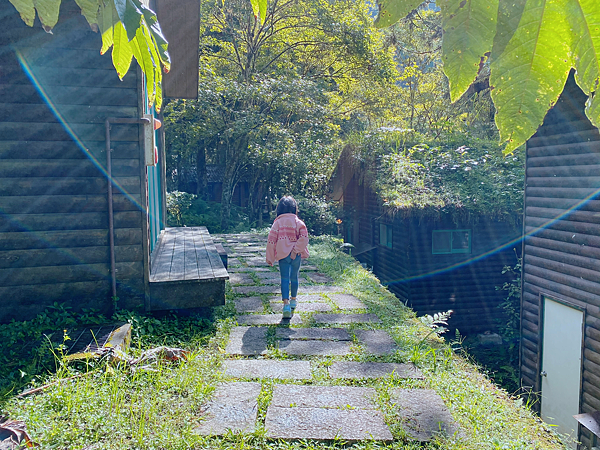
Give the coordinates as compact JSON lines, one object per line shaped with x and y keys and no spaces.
{"x":122,"y":51}
{"x":107,"y":18}
{"x":391,"y":11}
{"x":26,"y":10}
{"x":89,"y":9}
{"x":509,"y":16}
{"x":157,"y":35}
{"x":469,"y":28}
{"x":529,"y":75}
{"x":259,"y":7}
{"x":47,"y":12}
{"x":584,"y":17}
{"x":141,"y":52}
{"x":130,"y":16}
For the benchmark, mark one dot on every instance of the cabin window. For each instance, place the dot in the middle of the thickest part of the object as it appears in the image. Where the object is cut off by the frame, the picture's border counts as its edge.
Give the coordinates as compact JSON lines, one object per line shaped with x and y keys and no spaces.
{"x":450,"y":241}
{"x":385,"y":235}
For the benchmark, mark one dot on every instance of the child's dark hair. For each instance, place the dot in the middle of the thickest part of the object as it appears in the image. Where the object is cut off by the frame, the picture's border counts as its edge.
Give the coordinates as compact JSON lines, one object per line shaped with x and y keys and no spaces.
{"x":287,"y":205}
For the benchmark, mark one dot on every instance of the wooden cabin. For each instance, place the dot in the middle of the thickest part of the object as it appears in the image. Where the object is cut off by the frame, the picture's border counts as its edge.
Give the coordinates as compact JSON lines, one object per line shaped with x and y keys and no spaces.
{"x":65,"y":237}
{"x":560,"y":304}
{"x":432,"y":263}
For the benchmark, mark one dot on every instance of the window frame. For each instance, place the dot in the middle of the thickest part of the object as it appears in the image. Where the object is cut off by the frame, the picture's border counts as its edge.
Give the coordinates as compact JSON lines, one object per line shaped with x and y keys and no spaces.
{"x":389,"y":235}
{"x":452,"y":251}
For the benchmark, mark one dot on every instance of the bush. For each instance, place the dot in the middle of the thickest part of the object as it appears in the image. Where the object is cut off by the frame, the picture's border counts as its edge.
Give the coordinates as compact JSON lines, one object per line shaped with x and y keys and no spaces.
{"x":319,"y":215}
{"x":187,"y":210}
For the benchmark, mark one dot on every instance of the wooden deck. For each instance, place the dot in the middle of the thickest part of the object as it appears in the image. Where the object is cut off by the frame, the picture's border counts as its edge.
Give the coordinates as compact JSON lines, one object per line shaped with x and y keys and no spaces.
{"x":187,"y":271}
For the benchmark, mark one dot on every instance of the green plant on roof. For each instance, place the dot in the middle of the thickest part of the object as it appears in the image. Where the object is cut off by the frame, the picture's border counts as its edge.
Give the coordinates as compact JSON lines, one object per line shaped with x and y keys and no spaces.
{"x":530,"y":47}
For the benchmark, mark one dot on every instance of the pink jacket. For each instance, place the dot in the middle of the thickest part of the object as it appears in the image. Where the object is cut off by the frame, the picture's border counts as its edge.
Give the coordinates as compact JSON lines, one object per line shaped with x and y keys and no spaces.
{"x":287,"y":233}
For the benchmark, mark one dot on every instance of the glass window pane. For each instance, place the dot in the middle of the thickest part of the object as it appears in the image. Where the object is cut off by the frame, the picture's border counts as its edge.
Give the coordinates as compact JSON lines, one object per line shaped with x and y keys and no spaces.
{"x":461,"y":241}
{"x":442,"y":242}
{"x":382,"y":234}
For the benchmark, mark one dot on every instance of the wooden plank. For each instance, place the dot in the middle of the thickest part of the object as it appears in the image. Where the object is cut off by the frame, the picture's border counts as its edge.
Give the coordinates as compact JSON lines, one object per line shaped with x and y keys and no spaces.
{"x":567,"y":159}
{"x":204,"y":266}
{"x":67,"y":203}
{"x":564,"y":258}
{"x":564,"y":171}
{"x":161,"y":267}
{"x":25,"y":168}
{"x":68,"y":239}
{"x":563,"y":192}
{"x":564,"y":149}
{"x":71,"y":114}
{"x":563,"y":139}
{"x":67,"y":150}
{"x":572,"y":216}
{"x":190,"y":262}
{"x":69,"y":58}
{"x":564,"y":236}
{"x":56,"y":76}
{"x":216,"y":263}
{"x":69,"y":95}
{"x":80,"y":221}
{"x":557,"y":182}
{"x":64,"y":186}
{"x":33,"y":131}
{"x":177,"y":271}
{"x":536,"y":284}
{"x":588,"y":205}
{"x":561,"y":247}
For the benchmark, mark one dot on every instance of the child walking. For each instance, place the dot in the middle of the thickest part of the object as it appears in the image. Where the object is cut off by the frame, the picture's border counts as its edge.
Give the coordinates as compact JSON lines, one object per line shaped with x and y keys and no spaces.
{"x":287,"y":243}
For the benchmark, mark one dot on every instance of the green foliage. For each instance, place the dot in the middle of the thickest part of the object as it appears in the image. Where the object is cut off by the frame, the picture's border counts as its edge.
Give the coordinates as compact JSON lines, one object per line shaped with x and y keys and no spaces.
{"x":530,"y":45}
{"x":464,"y":177}
{"x":319,"y":215}
{"x":187,"y":210}
{"x":128,"y":26}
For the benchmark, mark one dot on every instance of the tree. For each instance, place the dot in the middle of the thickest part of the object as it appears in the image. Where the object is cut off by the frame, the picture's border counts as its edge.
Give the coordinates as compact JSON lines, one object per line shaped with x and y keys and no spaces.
{"x":291,"y":78}
{"x":530,"y":46}
{"x":129,"y":27}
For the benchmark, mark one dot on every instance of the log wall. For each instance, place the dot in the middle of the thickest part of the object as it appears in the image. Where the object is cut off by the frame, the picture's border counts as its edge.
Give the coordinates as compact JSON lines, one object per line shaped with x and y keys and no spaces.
{"x":56,"y":91}
{"x":562,"y":226}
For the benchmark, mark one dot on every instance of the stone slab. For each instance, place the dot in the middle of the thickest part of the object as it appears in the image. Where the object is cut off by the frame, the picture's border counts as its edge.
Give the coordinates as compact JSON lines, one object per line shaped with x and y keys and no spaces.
{"x":247,"y":341}
{"x":247,"y":269}
{"x":233,"y":262}
{"x":309,"y":267}
{"x":314,"y":347}
{"x":234,"y":407}
{"x":326,"y":424}
{"x":319,"y":289}
{"x":376,"y":342}
{"x":319,"y":278}
{"x":345,"y":318}
{"x":302,"y":298}
{"x":268,"y":275}
{"x":323,"y":334}
{"x":256,"y":289}
{"x":240,"y":278}
{"x":268,"y":368}
{"x":303,"y":306}
{"x":422,"y":413}
{"x":347,"y":301}
{"x":324,"y":396}
{"x":248,"y":249}
{"x":357,"y":370}
{"x":268,"y":319}
{"x":249,"y":305}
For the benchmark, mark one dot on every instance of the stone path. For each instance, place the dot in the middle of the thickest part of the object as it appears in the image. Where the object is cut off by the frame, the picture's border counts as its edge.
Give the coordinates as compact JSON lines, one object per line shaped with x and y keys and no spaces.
{"x":329,"y":332}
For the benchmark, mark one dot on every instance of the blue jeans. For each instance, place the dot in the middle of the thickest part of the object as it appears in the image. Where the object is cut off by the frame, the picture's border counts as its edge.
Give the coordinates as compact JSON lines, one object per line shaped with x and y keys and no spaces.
{"x":289,"y":268}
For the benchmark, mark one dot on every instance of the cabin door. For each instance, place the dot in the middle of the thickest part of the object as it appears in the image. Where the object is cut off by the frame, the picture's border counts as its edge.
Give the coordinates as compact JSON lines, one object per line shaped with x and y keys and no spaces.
{"x":561,"y":365}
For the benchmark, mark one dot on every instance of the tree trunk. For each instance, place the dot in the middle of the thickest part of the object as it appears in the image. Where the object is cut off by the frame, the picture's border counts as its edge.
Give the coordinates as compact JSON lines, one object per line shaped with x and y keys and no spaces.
{"x":235,"y":159}
{"x":179,"y":177}
{"x":201,"y":181}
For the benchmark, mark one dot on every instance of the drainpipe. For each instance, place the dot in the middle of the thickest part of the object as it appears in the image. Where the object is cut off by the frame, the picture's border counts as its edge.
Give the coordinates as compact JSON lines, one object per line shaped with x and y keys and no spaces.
{"x":111,"y":227}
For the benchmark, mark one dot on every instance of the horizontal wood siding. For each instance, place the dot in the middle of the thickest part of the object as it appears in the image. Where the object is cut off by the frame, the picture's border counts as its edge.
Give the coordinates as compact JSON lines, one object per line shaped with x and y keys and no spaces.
{"x":562,"y":246}
{"x":465,"y":283}
{"x":53,"y":200}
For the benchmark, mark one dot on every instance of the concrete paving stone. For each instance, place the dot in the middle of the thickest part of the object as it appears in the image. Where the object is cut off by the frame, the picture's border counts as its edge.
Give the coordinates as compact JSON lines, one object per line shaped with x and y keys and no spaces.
{"x":234,"y":407}
{"x":376,"y":342}
{"x":233,"y":262}
{"x":303,"y":396}
{"x":319,"y":278}
{"x":247,"y":269}
{"x":256,"y":289}
{"x":308,"y":267}
{"x":303,"y":298}
{"x":249,"y":249}
{"x":257,"y":263}
{"x":356,"y":370}
{"x":326,"y":424}
{"x":247,"y":341}
{"x":319,"y":289}
{"x":423,"y":413}
{"x":249,"y":305}
{"x":346,"y":318}
{"x":303,"y":306}
{"x":268,"y":368}
{"x":242,"y":255}
{"x":314,"y":347}
{"x":269,"y":276}
{"x":240,"y":278}
{"x":324,"y":334}
{"x":347,"y":301}
{"x":268,"y":319}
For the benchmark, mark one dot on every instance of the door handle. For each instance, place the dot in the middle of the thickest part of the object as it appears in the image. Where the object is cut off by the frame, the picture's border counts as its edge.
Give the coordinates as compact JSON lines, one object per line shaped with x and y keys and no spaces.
{"x":543,"y":373}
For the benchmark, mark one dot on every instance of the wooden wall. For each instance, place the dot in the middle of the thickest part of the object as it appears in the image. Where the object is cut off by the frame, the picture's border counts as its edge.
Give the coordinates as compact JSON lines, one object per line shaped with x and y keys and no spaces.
{"x":417,"y":277}
{"x":53,"y":200}
{"x":562,"y":256}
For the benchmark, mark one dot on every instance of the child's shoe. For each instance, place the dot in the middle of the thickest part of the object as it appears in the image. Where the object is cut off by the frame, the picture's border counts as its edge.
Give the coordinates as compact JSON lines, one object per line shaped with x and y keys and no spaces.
{"x":293,"y":303}
{"x":287,"y":311}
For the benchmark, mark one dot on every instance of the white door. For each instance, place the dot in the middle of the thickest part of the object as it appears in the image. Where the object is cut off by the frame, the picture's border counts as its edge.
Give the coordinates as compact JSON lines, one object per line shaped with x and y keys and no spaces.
{"x":561,"y":365}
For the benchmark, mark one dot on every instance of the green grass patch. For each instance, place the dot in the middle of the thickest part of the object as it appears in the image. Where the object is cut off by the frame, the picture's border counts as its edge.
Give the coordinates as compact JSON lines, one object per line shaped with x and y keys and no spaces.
{"x":104,"y":405}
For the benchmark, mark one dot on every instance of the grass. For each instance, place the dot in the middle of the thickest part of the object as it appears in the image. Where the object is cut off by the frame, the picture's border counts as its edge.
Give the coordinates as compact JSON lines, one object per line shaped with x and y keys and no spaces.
{"x":109,"y":406}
